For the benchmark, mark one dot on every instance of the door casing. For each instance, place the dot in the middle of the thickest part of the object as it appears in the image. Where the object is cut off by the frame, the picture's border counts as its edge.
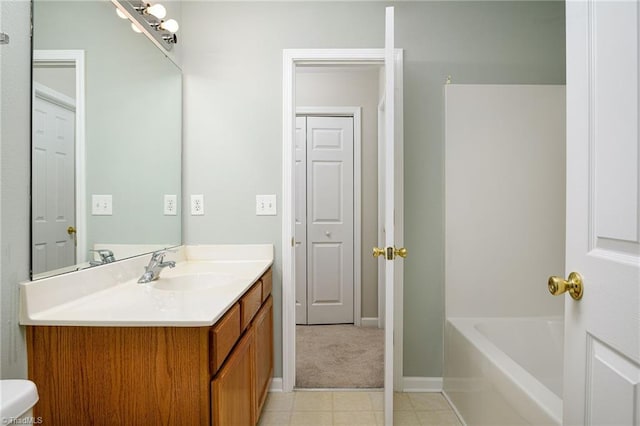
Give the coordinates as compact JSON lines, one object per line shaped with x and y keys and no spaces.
{"x":292,"y":58}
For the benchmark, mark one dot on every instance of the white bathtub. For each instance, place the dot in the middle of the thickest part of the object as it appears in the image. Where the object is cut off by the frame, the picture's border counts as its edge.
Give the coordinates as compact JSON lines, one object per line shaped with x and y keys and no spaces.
{"x":505,"y":371}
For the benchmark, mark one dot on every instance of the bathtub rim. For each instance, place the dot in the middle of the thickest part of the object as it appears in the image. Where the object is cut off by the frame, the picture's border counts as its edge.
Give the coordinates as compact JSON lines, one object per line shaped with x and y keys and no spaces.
{"x":548,"y":401}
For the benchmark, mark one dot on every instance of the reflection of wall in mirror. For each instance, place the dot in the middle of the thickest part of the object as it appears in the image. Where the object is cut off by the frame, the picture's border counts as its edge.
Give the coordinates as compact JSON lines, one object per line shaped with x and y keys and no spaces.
{"x":133,"y":120}
{"x":62,"y":79}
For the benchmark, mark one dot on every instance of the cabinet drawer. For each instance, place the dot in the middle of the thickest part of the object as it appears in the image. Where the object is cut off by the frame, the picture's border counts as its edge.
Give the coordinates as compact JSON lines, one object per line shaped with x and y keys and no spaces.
{"x":267,"y":284}
{"x":224,"y":335}
{"x":250,"y":303}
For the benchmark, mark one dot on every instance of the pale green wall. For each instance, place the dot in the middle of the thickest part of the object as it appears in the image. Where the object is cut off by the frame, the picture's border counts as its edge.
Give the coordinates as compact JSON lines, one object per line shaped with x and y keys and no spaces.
{"x":233,"y":114}
{"x":15,"y":63}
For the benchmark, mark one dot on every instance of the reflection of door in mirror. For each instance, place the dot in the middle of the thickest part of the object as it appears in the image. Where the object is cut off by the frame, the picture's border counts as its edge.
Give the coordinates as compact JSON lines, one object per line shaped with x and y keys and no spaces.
{"x":57,"y":142}
{"x":53,"y":180}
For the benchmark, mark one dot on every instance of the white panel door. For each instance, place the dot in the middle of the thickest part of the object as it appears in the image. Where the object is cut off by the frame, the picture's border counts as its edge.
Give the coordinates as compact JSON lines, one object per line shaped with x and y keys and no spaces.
{"x":602,"y":331}
{"x":301,"y":219}
{"x":53,"y":185}
{"x":392,"y":154}
{"x":329,"y":220}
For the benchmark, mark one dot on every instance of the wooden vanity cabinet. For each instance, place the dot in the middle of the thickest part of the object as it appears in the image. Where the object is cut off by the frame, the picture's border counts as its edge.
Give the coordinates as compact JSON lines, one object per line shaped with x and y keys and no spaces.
{"x":232,"y":399}
{"x":263,"y":340}
{"x":216,"y":375}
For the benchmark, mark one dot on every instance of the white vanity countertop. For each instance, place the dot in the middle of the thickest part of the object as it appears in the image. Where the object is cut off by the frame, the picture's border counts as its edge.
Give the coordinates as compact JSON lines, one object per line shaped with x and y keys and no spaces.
{"x":109,"y":295}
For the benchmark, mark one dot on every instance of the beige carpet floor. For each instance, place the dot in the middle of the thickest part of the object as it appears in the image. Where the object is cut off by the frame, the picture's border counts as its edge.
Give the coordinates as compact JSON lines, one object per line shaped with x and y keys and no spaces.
{"x":339,"y":356}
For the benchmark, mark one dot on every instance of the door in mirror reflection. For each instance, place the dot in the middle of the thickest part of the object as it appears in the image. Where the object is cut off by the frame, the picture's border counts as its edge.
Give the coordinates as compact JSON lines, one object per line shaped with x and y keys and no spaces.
{"x":53,"y":171}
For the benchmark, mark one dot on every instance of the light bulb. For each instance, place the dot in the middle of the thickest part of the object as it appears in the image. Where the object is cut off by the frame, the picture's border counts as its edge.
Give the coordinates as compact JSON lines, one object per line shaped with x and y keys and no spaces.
{"x":120,"y":14}
{"x":157,"y":10}
{"x":135,"y":28}
{"x":171,"y":25}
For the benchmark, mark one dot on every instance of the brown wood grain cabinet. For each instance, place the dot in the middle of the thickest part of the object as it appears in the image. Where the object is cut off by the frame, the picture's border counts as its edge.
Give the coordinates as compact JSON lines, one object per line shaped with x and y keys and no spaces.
{"x":217,"y":375}
{"x":263,"y":337}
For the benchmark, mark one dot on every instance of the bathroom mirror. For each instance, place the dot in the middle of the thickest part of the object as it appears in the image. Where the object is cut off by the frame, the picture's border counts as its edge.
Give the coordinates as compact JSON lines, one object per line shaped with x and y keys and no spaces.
{"x":106,"y":139}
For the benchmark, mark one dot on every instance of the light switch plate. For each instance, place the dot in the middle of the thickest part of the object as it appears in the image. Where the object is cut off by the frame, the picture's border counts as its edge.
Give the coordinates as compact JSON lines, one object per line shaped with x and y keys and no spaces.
{"x":266,"y":205}
{"x":101,"y":205}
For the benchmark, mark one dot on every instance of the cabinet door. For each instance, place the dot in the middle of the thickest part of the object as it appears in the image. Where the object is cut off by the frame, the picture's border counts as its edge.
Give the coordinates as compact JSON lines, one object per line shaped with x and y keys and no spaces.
{"x":263,"y":330}
{"x":232,"y":391}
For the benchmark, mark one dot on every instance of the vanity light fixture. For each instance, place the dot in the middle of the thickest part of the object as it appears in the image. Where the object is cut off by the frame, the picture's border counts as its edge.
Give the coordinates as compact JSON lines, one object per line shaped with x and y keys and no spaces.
{"x":157,"y":10}
{"x":121,"y":14}
{"x":149,"y":19}
{"x":170,"y":25}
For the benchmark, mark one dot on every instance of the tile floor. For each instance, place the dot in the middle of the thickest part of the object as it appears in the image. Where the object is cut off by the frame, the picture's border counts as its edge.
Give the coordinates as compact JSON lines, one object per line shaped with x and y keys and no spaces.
{"x":354,"y":408}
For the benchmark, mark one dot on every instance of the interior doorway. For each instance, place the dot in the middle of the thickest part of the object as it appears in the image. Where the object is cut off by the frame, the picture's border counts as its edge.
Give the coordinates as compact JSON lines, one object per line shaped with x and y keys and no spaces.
{"x":392,"y":142}
{"x":336,"y":205}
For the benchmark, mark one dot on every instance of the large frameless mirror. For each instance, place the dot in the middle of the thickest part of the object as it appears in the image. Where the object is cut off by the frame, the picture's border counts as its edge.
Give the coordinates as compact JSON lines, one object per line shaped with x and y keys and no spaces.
{"x":106,"y":139}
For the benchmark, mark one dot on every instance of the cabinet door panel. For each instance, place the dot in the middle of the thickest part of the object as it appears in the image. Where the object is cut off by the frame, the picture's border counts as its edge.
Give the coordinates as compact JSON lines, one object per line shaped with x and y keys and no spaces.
{"x":231,"y":390}
{"x":263,"y":330}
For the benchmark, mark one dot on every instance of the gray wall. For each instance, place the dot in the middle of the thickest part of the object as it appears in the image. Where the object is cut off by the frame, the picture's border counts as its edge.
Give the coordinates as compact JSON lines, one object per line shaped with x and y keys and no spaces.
{"x":330,"y":86}
{"x":233,"y":114}
{"x":15,"y":72}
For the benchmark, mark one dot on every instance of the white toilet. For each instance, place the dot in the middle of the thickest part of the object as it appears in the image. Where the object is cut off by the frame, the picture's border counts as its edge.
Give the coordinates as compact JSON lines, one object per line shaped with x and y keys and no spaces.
{"x":17,"y":398}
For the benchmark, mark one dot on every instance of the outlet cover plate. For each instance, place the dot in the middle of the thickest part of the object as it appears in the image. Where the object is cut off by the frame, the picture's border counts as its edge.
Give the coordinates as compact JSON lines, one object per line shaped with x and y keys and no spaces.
{"x":266,"y":205}
{"x":197,"y":205}
{"x":170,"y":205}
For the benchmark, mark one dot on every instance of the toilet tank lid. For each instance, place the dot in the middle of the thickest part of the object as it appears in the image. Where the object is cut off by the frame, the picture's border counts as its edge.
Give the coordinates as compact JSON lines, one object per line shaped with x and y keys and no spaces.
{"x":16,"y":397}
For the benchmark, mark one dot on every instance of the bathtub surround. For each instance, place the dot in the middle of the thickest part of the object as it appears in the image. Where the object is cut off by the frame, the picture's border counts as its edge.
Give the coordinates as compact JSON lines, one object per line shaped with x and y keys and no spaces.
{"x":504,"y":197}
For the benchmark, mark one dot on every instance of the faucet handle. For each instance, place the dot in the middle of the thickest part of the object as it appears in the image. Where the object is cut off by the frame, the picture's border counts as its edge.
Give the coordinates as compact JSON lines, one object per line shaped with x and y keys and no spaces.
{"x":106,"y":256}
{"x":158,"y":255}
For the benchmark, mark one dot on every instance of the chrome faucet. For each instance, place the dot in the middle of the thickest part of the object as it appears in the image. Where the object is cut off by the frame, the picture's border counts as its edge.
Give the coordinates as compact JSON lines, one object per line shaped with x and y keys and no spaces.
{"x":156,"y":264}
{"x":106,"y":256}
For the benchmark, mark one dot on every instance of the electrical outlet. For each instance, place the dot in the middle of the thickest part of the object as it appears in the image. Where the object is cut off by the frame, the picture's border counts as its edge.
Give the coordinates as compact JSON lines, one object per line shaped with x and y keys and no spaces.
{"x":266,"y":205}
{"x":101,"y":205}
{"x":170,"y":205}
{"x":197,"y":205}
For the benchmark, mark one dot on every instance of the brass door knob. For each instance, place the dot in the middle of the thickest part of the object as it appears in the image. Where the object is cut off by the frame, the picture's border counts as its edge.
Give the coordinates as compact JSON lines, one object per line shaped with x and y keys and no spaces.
{"x":377,"y":251}
{"x":402,"y":252}
{"x":573,"y":285}
{"x":71,"y":230}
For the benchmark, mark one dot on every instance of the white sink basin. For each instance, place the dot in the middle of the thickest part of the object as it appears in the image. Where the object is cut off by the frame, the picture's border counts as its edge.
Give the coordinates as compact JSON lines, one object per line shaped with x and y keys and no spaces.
{"x":192,"y":282}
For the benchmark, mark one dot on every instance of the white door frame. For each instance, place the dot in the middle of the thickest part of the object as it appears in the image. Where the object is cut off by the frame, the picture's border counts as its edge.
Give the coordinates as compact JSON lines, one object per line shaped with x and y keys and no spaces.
{"x":356,"y":113}
{"x":76,"y":59}
{"x":291,"y":59}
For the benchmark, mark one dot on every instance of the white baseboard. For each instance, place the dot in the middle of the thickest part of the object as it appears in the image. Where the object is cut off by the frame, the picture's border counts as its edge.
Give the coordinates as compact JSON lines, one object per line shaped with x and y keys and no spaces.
{"x":369,"y":322}
{"x":276,"y":384}
{"x":422,"y":384}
